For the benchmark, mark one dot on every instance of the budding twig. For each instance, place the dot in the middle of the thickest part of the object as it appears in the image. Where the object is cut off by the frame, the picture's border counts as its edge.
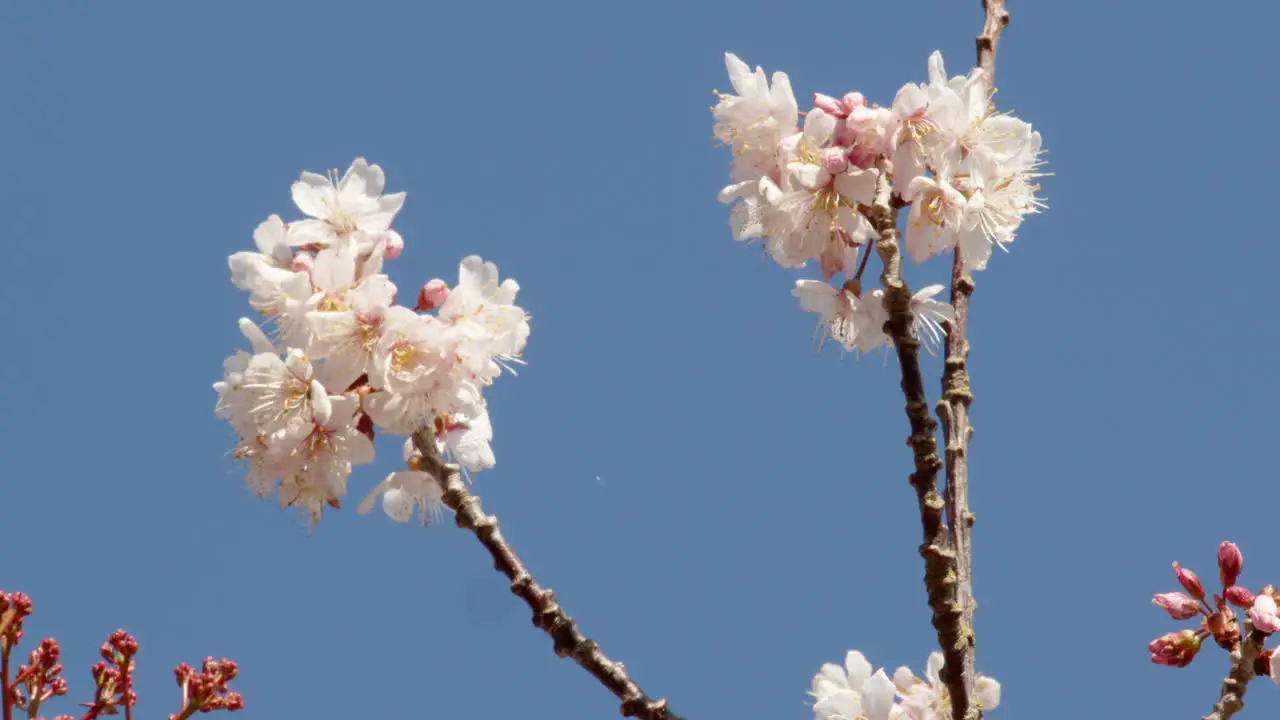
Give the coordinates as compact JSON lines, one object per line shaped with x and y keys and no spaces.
{"x":6,"y":699}
{"x":547,"y":613}
{"x":953,"y":409}
{"x":1243,"y":657}
{"x":939,"y":559}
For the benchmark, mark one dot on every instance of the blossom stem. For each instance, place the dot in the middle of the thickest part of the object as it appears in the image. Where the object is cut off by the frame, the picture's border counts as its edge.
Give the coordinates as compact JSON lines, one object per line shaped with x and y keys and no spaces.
{"x":1243,"y":657}
{"x":6,"y":692}
{"x":939,"y":559}
{"x":548,"y":616}
{"x":124,"y":685}
{"x":862,"y":264}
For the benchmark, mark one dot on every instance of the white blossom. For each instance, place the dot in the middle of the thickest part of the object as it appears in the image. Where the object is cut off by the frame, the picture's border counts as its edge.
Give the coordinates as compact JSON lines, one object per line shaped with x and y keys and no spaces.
{"x":491,"y":330}
{"x":857,"y":322}
{"x":853,"y":692}
{"x":319,"y":459}
{"x":404,"y":491}
{"x":341,"y":206}
{"x":756,"y":119}
{"x":929,"y":699}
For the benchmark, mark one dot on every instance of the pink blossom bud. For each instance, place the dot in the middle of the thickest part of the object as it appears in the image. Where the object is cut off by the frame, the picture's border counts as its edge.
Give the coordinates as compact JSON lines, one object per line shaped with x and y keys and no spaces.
{"x":303,"y":262}
{"x":835,"y":160}
{"x":1175,"y":649}
{"x":1180,"y":606}
{"x":432,"y":295}
{"x":395,"y":245}
{"x":1263,"y":613}
{"x":1239,"y":596}
{"x":829,"y":105}
{"x":861,"y":157}
{"x":1230,"y":563}
{"x":853,"y":100}
{"x":1189,"y":581}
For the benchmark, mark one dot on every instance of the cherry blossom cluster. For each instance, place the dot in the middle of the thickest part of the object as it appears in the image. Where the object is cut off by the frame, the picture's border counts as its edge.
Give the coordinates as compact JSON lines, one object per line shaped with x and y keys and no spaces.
{"x":967,"y":173}
{"x":39,"y":680}
{"x":1178,"y":649}
{"x":339,"y":359}
{"x":854,"y":692}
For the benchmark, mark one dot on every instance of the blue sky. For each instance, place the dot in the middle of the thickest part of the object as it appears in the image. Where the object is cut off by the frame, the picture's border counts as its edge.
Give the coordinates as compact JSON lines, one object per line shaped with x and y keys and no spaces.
{"x":752,"y":518}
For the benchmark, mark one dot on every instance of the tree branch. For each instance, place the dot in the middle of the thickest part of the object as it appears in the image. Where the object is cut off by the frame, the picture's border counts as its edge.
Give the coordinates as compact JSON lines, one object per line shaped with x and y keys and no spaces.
{"x":953,"y":409}
{"x":939,"y":559}
{"x":1243,"y":657}
{"x":547,"y":613}
{"x":997,"y":17}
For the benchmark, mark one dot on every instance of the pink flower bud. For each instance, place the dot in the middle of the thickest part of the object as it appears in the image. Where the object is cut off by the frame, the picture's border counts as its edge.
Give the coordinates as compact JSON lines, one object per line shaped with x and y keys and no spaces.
{"x":1230,"y":563}
{"x":863,"y":158}
{"x":395,"y":245}
{"x":432,"y":295}
{"x":1180,"y":606}
{"x":829,"y":105}
{"x":1239,"y":596}
{"x":853,"y":100}
{"x":1175,"y":649}
{"x":835,"y":160}
{"x":1189,"y":581}
{"x":303,"y":262}
{"x":1263,"y":613}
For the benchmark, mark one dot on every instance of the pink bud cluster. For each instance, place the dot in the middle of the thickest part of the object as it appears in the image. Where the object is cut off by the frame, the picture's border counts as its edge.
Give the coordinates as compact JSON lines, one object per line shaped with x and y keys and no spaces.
{"x":40,"y":678}
{"x":1178,"y":649}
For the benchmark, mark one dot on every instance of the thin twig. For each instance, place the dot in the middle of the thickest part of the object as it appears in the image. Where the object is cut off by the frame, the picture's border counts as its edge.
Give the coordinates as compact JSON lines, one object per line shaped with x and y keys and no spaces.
{"x":1243,"y":658}
{"x":547,"y":613}
{"x":6,"y":692}
{"x":939,"y":560}
{"x":953,"y":409}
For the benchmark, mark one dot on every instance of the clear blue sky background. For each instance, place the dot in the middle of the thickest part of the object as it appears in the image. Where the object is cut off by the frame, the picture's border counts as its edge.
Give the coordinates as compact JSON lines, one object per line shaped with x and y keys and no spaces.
{"x":753,"y":518}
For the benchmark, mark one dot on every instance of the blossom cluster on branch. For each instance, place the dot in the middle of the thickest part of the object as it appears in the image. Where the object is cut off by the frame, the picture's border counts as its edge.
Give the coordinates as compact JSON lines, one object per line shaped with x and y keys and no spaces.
{"x":967,"y":172}
{"x":340,"y":359}
{"x":1217,"y":618}
{"x":40,"y":679}
{"x":854,"y":692}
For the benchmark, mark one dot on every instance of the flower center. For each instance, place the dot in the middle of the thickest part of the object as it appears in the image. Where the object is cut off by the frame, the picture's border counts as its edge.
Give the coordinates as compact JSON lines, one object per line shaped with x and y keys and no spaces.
{"x":342,"y":220}
{"x":405,"y":356}
{"x":368,"y":331}
{"x":933,"y":209}
{"x":332,"y":302}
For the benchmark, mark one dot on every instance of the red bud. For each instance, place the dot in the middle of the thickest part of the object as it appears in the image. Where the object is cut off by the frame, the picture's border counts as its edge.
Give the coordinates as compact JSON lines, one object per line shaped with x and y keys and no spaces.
{"x":1230,"y":563}
{"x":1239,"y":596}
{"x":1189,"y":581}
{"x":1179,"y":606}
{"x":1175,"y":649}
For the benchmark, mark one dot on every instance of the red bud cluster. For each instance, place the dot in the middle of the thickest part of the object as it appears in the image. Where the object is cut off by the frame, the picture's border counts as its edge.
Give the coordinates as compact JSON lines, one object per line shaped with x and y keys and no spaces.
{"x":1177,"y":649}
{"x":207,"y":690}
{"x":40,"y":679}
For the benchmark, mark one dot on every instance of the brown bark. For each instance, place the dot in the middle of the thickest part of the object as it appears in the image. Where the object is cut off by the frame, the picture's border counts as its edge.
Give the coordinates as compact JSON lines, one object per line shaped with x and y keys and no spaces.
{"x":548,"y":616}
{"x":939,"y":559}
